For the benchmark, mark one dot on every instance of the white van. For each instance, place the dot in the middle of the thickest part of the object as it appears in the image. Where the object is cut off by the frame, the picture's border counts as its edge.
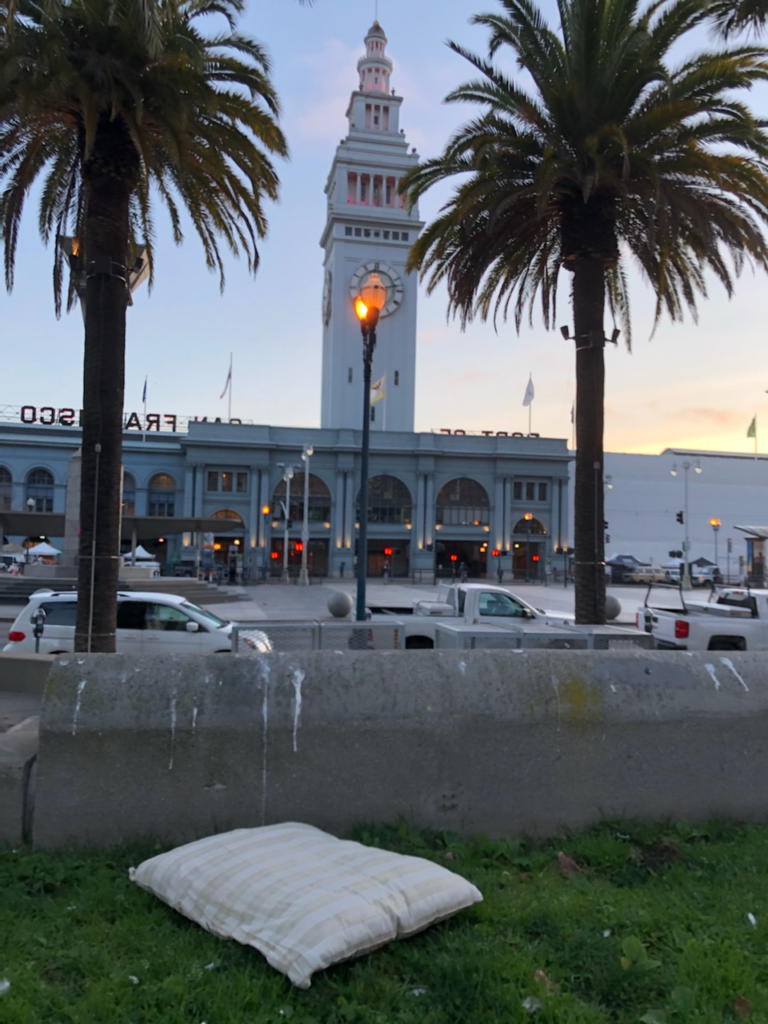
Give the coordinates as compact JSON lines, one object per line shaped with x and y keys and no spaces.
{"x":147,"y":623}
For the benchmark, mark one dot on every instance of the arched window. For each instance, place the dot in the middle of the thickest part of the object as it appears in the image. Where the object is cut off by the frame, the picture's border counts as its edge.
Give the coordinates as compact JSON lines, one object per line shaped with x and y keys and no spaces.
{"x":462,"y":502}
{"x":129,"y":495}
{"x":319,"y":508}
{"x":5,"y":489}
{"x":40,"y":490}
{"x":162,"y":495}
{"x":529,"y":527}
{"x":389,"y":500}
{"x":228,"y":513}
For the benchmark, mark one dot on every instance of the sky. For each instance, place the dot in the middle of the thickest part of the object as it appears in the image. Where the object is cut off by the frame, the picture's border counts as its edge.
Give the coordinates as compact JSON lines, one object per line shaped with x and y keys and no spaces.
{"x":689,"y":385}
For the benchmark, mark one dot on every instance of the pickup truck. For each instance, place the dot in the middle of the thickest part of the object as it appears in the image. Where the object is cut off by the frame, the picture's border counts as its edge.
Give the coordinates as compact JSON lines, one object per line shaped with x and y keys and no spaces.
{"x":473,"y":604}
{"x":733,"y":619}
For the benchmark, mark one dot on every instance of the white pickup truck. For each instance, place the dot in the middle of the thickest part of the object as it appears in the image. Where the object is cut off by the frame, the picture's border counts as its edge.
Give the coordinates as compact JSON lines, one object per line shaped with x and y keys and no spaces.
{"x":473,"y":604}
{"x":733,"y":619}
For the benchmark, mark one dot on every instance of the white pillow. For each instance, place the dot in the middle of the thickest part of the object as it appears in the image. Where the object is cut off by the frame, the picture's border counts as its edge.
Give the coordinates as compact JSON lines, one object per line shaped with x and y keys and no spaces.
{"x":302,"y":897}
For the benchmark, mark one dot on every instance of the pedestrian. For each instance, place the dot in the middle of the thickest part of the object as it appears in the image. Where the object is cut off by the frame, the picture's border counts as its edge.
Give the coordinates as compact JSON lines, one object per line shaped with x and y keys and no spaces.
{"x":385,"y":571}
{"x":499,"y":574}
{"x":342,"y":567}
{"x":463,"y":572}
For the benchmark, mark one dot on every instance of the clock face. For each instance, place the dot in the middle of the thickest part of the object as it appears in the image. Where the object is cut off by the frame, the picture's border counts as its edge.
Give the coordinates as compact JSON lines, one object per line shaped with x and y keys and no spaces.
{"x":327,"y":290}
{"x":387,"y":276}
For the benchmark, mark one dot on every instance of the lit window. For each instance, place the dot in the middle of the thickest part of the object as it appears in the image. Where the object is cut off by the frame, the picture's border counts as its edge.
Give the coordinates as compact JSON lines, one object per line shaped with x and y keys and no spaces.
{"x":226,"y":481}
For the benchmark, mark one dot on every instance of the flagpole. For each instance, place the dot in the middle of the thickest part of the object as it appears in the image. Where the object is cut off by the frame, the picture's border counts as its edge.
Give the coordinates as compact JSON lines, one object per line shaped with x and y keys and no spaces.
{"x":229,"y":412}
{"x":144,"y":432}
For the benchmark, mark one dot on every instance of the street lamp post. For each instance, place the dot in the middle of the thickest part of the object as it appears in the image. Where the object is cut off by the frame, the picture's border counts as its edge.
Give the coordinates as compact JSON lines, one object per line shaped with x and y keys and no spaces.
{"x":287,"y":477}
{"x":371,"y":300}
{"x":715,"y":524}
{"x":528,"y":518}
{"x":686,"y":580}
{"x":303,"y":574}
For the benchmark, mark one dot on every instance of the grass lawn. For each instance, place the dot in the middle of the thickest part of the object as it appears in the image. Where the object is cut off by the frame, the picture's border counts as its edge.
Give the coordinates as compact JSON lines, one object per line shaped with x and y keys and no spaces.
{"x":625,"y":923}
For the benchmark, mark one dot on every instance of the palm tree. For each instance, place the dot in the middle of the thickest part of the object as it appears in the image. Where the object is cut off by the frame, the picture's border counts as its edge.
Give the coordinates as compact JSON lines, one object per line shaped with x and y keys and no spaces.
{"x":601,"y":150}
{"x":114,"y":104}
{"x":734,"y":16}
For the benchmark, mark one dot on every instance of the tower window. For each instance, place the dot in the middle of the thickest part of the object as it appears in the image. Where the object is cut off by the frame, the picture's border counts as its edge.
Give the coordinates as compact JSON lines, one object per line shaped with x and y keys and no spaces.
{"x":366,"y":232}
{"x":365,"y":188}
{"x":389,"y":192}
{"x":395,"y":236}
{"x":385,"y":122}
{"x":351,"y":187}
{"x":367,"y":115}
{"x":386,"y":234}
{"x":358,"y":233}
{"x":376,"y":234}
{"x":348,"y":231}
{"x":397,"y":377}
{"x":378,"y":182}
{"x":403,"y":236}
{"x":349,"y":375}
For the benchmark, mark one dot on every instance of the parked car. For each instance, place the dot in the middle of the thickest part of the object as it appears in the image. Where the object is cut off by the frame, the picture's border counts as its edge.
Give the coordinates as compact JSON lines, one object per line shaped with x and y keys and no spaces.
{"x":706,"y":576}
{"x":147,"y":623}
{"x":645,"y":574}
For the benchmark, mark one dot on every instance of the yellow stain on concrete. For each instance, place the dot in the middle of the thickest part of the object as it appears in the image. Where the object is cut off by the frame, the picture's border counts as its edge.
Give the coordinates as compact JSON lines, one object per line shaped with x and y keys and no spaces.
{"x":580,"y":702}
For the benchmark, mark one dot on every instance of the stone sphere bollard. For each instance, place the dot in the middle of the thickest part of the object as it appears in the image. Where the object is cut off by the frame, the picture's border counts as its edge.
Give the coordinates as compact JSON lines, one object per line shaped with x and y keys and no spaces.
{"x":612,"y":607}
{"x":340,"y":604}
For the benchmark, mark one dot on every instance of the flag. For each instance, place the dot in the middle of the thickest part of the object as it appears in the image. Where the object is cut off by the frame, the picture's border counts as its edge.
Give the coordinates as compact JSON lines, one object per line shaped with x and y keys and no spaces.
{"x":228,"y":384}
{"x":752,"y":432}
{"x":144,"y":395}
{"x":573,"y":411}
{"x":528,"y":398}
{"x":378,"y":389}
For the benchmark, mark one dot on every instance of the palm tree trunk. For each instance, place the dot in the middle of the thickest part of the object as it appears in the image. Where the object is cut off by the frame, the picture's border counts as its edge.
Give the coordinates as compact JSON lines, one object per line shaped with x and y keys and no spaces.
{"x":109,"y":183}
{"x":589,"y":537}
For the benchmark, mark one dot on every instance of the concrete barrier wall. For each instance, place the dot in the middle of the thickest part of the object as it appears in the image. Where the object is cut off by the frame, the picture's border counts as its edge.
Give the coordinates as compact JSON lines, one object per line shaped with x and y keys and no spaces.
{"x":176,"y":747}
{"x":24,"y":673}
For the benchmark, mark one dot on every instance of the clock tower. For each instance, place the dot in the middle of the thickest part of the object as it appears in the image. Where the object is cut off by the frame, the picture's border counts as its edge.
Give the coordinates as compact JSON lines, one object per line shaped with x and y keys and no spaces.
{"x":369,"y":231}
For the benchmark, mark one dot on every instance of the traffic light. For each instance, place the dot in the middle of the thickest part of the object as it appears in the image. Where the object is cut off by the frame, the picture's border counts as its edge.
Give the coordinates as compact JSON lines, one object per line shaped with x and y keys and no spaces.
{"x":607,"y":538}
{"x":388,"y":551}
{"x":680,"y":517}
{"x":605,"y":524}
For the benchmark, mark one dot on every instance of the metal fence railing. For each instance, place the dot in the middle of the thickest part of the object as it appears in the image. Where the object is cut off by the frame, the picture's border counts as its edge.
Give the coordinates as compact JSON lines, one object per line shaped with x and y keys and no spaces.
{"x":313,"y":635}
{"x":552,"y":638}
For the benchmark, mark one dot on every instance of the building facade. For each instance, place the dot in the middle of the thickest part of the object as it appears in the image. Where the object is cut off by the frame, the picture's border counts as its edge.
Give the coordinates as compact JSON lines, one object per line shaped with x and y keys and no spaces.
{"x":435,"y":500}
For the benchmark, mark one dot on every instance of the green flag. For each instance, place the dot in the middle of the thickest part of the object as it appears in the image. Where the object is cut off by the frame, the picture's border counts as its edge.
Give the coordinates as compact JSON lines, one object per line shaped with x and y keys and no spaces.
{"x":752,"y":432}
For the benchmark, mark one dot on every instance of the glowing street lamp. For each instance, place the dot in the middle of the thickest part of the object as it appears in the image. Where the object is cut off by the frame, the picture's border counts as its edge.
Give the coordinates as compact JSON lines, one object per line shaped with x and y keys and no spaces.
{"x":372,"y":297}
{"x":715,"y":524}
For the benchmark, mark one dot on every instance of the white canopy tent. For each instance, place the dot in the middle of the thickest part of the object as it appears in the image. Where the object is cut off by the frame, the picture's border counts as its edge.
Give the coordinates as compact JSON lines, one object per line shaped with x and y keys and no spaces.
{"x":43,"y":550}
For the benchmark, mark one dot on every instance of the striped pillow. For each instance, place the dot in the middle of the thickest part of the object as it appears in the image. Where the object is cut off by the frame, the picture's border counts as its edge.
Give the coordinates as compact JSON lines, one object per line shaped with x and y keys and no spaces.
{"x":302,"y":897}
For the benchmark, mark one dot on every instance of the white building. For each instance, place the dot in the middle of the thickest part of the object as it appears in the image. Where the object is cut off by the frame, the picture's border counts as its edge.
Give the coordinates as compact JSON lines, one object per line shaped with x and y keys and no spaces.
{"x":369,"y":232}
{"x":643,"y":500}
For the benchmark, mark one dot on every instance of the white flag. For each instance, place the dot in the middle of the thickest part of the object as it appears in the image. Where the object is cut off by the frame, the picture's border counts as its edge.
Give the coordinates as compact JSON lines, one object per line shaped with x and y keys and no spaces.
{"x":529,"y":393}
{"x":378,"y":389}
{"x":144,"y":396}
